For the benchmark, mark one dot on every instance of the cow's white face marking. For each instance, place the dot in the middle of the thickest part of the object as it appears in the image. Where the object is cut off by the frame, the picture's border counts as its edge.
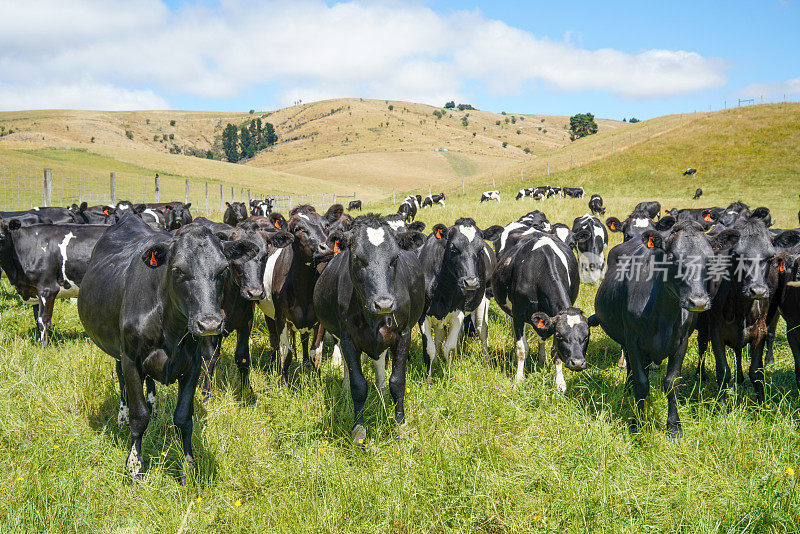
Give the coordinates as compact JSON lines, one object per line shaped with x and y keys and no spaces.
{"x":304,"y":216}
{"x":573,"y":320}
{"x":36,"y":208}
{"x":546,"y":226}
{"x":267,"y":305}
{"x":395,"y":225}
{"x":151,"y":213}
{"x":641,"y":223}
{"x":562,"y":233}
{"x":44,"y":249}
{"x":376,"y":236}
{"x":546,"y":241}
{"x":123,"y":207}
{"x":598,"y":232}
{"x":468,"y":232}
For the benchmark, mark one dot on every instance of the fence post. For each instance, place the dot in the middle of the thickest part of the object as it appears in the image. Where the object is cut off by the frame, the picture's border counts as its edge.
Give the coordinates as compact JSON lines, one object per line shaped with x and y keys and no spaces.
{"x":493,"y":179}
{"x":570,"y":161}
{"x":186,"y":193}
{"x":521,"y":175}
{"x":393,"y":201}
{"x":592,"y":154}
{"x":462,"y":187}
{"x":48,"y":187}
{"x":249,"y":198}
{"x":548,"y":168}
{"x":612,"y":147}
{"x":206,"y":199}
{"x":241,"y":194}
{"x":233,"y":195}
{"x":158,"y":193}
{"x":113,"y":184}
{"x":221,"y":199}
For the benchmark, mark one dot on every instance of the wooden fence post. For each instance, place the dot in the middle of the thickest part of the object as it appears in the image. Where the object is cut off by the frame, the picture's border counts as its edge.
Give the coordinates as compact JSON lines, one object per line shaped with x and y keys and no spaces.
{"x":113,"y":185}
{"x":221,"y":199}
{"x":48,"y":187}
{"x":462,"y":186}
{"x":186,"y":193}
{"x":233,"y":195}
{"x":548,"y":168}
{"x":206,"y":199}
{"x":157,"y":192}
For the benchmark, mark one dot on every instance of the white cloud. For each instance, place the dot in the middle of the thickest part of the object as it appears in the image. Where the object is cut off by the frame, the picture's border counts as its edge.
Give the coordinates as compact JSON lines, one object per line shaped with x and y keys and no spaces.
{"x":381,"y":50}
{"x":776,"y":89}
{"x":82,"y":95}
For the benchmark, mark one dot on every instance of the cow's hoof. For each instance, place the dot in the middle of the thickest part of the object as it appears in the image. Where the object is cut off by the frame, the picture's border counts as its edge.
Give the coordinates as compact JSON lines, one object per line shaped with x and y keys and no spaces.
{"x":359,"y":436}
{"x":133,"y":468}
{"x":404,"y":430}
{"x":674,"y":431}
{"x":188,"y":470}
{"x":561,"y":386}
{"x":621,"y":362}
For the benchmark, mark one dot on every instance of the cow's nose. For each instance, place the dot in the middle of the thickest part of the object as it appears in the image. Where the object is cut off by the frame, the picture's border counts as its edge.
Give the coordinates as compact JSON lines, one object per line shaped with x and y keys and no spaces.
{"x":255,"y":293}
{"x":700,"y":303}
{"x":759,"y":291}
{"x":322,"y":248}
{"x":384,"y":305}
{"x":471,"y":283}
{"x":576,"y":364}
{"x":209,"y":325}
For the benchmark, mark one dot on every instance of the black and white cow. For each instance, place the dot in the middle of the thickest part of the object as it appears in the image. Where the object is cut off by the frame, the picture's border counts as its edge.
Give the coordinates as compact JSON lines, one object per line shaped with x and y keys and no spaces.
{"x":704,"y":217}
{"x":369,"y":297}
{"x":526,"y":192}
{"x":430,"y":200}
{"x":690,"y":172}
{"x":147,"y":299}
{"x":43,"y":215}
{"x":536,"y":282}
{"x":354,"y":205}
{"x":651,"y":208}
{"x":408,"y":209}
{"x":572,"y":192}
{"x":457,"y":263}
{"x":556,"y":192}
{"x":590,"y":242}
{"x":261,"y":208}
{"x":45,"y":262}
{"x":649,"y":304}
{"x":697,"y":194}
{"x":637,"y":223}
{"x":596,"y":205}
{"x":235,"y":213}
{"x":534,"y":222}
{"x":490,"y":195}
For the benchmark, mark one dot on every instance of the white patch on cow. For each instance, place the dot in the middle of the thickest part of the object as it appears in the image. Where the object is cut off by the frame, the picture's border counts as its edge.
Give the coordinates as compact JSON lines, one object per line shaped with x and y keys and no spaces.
{"x":561,"y":384}
{"x":304,"y":216}
{"x":641,"y":223}
{"x":134,"y":464}
{"x":122,"y":207}
{"x":36,"y":208}
{"x":151,"y":401}
{"x":336,"y":356}
{"x":562,"y":233}
{"x":376,"y":236}
{"x":598,"y":232}
{"x":546,"y":226}
{"x":573,"y":320}
{"x":395,"y":225}
{"x":151,"y":213}
{"x":122,"y":414}
{"x":468,"y":231}
{"x":507,"y":230}
{"x":44,"y":249}
{"x":521,"y":349}
{"x":266,"y":304}
{"x":546,"y":241}
{"x":63,"y":248}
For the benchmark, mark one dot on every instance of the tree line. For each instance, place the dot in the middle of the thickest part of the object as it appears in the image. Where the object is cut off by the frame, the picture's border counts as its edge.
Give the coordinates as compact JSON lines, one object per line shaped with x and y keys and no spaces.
{"x":243,"y":142}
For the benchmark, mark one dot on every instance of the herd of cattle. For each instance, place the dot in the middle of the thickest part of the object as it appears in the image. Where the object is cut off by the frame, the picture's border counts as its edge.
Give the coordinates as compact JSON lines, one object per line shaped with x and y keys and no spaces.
{"x":158,"y":290}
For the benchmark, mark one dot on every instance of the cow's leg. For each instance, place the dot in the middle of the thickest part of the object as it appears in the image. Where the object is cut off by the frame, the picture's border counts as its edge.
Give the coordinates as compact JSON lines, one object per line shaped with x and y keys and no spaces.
{"x":451,"y":343}
{"x":242,"y":355}
{"x":769,"y":356}
{"x":184,"y":410}
{"x":358,"y":389}
{"x":521,"y":348}
{"x":316,"y":349}
{"x":428,"y":346}
{"x":639,"y":381}
{"x":722,"y":369}
{"x":122,"y":414}
{"x":480,"y":317}
{"x":285,"y":350}
{"x":756,"y":371}
{"x":561,"y":384}
{"x":702,"y":347}
{"x":671,"y":383}
{"x":380,"y":371}
{"x":151,"y":398}
{"x":274,"y":339}
{"x":304,"y":346}
{"x":47,"y":298}
{"x":397,"y":380}
{"x":336,"y":356}
{"x":210,"y":349}
{"x":139,"y":415}
{"x":739,"y":373}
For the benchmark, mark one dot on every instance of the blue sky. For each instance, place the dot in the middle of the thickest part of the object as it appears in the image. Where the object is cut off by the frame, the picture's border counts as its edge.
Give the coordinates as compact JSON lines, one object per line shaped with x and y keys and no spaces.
{"x":615,"y":59}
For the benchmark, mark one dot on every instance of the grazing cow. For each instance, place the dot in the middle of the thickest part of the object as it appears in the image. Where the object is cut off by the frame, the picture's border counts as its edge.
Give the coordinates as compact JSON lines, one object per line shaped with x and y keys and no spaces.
{"x":430,"y":200}
{"x":541,"y":192}
{"x":261,"y":208}
{"x":649,"y":304}
{"x":596,"y":205}
{"x":457,"y":263}
{"x":572,"y":192}
{"x":369,"y":297}
{"x":234,"y":213}
{"x":536,"y":283}
{"x":743,"y":307}
{"x":354,"y":205}
{"x":490,"y":195}
{"x":528,"y":192}
{"x":146,"y":300}
{"x":244,"y":286}
{"x":652,"y":208}
{"x":697,"y":194}
{"x":690,"y":172}
{"x":556,"y":191}
{"x":637,"y":223}
{"x":289,"y":279}
{"x":590,"y":241}
{"x":45,"y":262}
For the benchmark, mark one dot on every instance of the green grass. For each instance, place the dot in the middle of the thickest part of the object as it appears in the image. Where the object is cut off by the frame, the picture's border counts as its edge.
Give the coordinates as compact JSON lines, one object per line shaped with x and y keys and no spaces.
{"x":482,"y":454}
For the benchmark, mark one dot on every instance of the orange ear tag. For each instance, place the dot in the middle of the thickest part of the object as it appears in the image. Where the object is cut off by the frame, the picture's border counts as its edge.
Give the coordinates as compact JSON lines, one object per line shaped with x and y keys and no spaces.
{"x":613,"y":226}
{"x":153,"y":261}
{"x":708,"y":218}
{"x":277,"y":224}
{"x":541,"y":324}
{"x":650,"y":243}
{"x":438,"y":233}
{"x":782,"y":267}
{"x":105,"y":211}
{"x":336,"y":248}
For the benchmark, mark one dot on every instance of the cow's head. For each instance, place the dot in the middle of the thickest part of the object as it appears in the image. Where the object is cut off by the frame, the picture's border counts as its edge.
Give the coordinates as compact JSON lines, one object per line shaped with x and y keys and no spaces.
{"x":637,"y":223}
{"x":235,"y":213}
{"x":570,"y":329}
{"x":463,"y":253}
{"x":196,"y":262}
{"x":177,"y":215}
{"x":310,"y":231}
{"x":249,"y":276}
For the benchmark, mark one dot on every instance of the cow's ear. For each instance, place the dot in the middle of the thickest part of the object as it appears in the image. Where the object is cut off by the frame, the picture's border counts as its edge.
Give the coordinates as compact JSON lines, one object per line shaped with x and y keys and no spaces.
{"x":763,"y":214}
{"x":708,"y":216}
{"x":168,"y":207}
{"x":277,"y":220}
{"x":239,"y":251}
{"x":439,"y":230}
{"x":410,"y":240}
{"x":652,"y":240}
{"x":156,"y":255}
{"x":593,"y":320}
{"x":84,"y":206}
{"x":187,"y":206}
{"x":613,"y":224}
{"x":725,"y":240}
{"x":417,"y":226}
{"x":228,"y":204}
{"x":582,"y":235}
{"x":339,"y":241}
{"x":543,"y":324}
{"x":281,"y":239}
{"x":139,"y":208}
{"x":14,"y":224}
{"x":223,"y":236}
{"x":492,"y":233}
{"x":786,"y":239}
{"x":108,"y":210}
{"x":665,"y":223}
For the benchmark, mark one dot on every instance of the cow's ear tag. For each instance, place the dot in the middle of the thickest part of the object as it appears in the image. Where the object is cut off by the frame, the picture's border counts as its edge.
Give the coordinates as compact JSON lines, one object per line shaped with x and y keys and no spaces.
{"x":613,"y":226}
{"x":336,"y":249}
{"x":153,"y":260}
{"x":168,"y":208}
{"x":541,"y":324}
{"x":782,"y":267}
{"x":708,"y":218}
{"x":438,"y":233}
{"x":650,"y":242}
{"x":105,"y":211}
{"x":277,"y":224}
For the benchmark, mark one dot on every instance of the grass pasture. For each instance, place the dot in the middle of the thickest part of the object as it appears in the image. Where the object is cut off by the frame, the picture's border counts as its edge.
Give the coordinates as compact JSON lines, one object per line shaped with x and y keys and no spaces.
{"x":482,"y":455}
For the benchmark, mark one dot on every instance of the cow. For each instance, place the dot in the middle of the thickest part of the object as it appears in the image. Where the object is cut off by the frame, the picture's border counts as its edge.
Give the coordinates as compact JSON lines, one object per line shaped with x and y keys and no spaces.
{"x":697,"y":194}
{"x":690,"y":172}
{"x":541,"y":192}
{"x":289,"y":279}
{"x":43,"y":215}
{"x":649,"y":305}
{"x":234,"y":213}
{"x":369,"y":297}
{"x":408,"y":209}
{"x":743,"y":307}
{"x":556,"y":191}
{"x":177,"y":216}
{"x":596,"y":205}
{"x":652,"y":208}
{"x":147,"y":299}
{"x":354,"y":205}
{"x":789,"y":304}
{"x":490,"y":195}
{"x":564,"y":234}
{"x":637,"y":223}
{"x":590,"y":242}
{"x":798,"y":217}
{"x":101,"y":214}
{"x":457,"y":263}
{"x":703,"y":216}
{"x":45,"y":262}
{"x":534,"y":222}
{"x":536,"y":283}
{"x":244,"y":286}
{"x":261,"y":208}
{"x":527,"y":192}
{"x":430,"y":200}
{"x":573,"y":192}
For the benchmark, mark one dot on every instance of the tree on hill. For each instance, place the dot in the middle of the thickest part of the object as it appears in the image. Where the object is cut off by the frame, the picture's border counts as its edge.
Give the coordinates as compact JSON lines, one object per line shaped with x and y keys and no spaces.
{"x":581,"y":125}
{"x":450,"y":105}
{"x":247,"y":142}
{"x":463,"y":107}
{"x":230,"y":143}
{"x":633,"y":120}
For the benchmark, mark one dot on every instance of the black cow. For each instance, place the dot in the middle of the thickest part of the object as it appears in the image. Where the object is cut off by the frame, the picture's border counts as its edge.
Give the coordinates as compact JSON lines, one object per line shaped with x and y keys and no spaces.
{"x":457,"y":263}
{"x":703,"y":216}
{"x":234,"y":213}
{"x":44,"y":215}
{"x":147,"y":299}
{"x":289,"y":280}
{"x":637,"y":223}
{"x":690,"y":172}
{"x":354,"y":205}
{"x":652,"y":208}
{"x":649,"y":305}
{"x":177,"y":216}
{"x":536,"y":282}
{"x":369,"y":297}
{"x":490,"y":195}
{"x":596,"y":205}
{"x":590,"y":241}
{"x":101,"y":214}
{"x":789,"y":303}
{"x":430,"y":200}
{"x":572,"y":192}
{"x":697,"y":194}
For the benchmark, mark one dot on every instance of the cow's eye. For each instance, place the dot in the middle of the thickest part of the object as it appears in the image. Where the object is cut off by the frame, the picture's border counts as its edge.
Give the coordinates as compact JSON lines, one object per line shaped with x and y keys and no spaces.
{"x":394,"y":260}
{"x":178,"y":274}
